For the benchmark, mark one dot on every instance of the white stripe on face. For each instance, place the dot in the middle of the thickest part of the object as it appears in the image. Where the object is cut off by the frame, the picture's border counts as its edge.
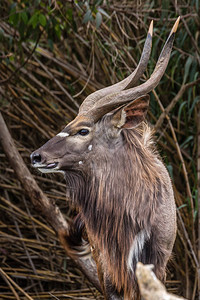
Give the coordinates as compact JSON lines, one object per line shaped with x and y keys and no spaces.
{"x":63,"y":134}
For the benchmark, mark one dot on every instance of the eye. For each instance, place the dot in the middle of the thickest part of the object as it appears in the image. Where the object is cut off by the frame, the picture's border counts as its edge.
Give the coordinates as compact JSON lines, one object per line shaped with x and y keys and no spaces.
{"x":83,"y":132}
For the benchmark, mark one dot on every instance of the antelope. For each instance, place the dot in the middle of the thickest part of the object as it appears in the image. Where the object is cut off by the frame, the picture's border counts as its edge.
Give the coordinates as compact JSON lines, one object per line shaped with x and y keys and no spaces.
{"x":116,"y":180}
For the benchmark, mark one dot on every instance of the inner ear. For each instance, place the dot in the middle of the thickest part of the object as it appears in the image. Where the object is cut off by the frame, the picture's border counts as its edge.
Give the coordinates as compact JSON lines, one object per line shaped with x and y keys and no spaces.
{"x":132,"y":114}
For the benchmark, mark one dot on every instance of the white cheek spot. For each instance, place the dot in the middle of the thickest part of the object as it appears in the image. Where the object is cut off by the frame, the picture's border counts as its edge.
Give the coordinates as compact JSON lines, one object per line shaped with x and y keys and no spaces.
{"x":80,"y":162}
{"x":90,"y":147}
{"x":62,"y":134}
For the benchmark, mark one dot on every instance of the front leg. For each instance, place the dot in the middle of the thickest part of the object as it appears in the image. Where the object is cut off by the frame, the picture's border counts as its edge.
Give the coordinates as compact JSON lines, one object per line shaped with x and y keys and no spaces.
{"x":110,"y":290}
{"x":78,"y":248}
{"x":89,"y":269}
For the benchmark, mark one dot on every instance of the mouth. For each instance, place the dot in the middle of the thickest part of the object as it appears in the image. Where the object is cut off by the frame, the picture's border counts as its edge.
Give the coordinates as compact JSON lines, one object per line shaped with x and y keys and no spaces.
{"x":49,"y":168}
{"x":52,"y":166}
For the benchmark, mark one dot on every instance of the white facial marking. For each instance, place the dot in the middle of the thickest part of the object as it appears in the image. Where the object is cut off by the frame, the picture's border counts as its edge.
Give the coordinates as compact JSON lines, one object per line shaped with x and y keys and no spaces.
{"x":90,"y":147}
{"x":63,"y":134}
{"x":80,"y":162}
{"x":137,"y":247}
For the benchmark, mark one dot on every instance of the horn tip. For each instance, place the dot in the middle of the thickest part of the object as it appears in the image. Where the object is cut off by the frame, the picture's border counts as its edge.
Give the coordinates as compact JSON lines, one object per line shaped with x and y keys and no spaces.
{"x":174,"y":29}
{"x":151,"y":28}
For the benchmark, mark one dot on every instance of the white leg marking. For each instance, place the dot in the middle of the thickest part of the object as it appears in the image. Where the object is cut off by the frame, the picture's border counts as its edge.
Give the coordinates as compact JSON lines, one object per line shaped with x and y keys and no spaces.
{"x":136,"y":248}
{"x":63,"y":134}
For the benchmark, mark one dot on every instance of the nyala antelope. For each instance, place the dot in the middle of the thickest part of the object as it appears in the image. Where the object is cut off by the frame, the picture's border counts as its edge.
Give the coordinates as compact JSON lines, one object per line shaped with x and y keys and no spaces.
{"x":116,"y":180}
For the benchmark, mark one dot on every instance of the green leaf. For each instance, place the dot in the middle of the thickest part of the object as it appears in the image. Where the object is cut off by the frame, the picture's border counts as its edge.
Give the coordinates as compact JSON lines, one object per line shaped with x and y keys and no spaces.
{"x":98,"y":19}
{"x":24,"y":17}
{"x":180,"y":110}
{"x":50,"y":43}
{"x":1,"y":32}
{"x":188,"y":140}
{"x":69,"y":14}
{"x":13,"y":7}
{"x":197,"y":5}
{"x":170,"y":170}
{"x":195,"y":101}
{"x":183,"y":205}
{"x":13,"y":19}
{"x":42,"y":20}
{"x":22,"y":30}
{"x":98,"y":2}
{"x":58,"y":31}
{"x":187,"y":68}
{"x":103,"y":12}
{"x":12,"y":58}
{"x":34,"y":20}
{"x":88,"y":16}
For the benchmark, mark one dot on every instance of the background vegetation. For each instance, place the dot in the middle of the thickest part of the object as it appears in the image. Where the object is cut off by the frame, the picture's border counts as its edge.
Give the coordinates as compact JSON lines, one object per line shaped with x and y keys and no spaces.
{"x":52,"y":55}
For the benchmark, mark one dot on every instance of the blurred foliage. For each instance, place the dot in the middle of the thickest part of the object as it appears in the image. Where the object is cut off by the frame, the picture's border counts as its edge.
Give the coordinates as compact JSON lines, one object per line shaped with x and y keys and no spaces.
{"x":81,"y":46}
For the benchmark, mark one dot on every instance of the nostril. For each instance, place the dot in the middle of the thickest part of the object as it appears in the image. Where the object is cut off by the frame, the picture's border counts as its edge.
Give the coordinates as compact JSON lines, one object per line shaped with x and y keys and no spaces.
{"x":36,"y":158}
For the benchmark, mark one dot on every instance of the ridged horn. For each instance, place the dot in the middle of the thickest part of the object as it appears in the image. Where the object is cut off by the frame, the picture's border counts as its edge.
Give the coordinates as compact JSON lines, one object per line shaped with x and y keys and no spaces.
{"x":128,"y":82}
{"x":116,"y":99}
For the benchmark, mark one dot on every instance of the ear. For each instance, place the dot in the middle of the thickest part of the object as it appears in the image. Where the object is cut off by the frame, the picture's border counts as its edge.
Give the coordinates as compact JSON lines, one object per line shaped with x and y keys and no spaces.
{"x":132,"y":114}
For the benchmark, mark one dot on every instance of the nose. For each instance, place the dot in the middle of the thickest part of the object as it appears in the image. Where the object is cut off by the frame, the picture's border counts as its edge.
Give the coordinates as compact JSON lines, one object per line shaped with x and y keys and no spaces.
{"x":35,"y":158}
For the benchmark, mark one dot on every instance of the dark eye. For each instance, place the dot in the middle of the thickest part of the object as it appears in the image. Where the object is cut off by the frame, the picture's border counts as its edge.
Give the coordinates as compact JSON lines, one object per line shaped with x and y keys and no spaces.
{"x":83,"y":132}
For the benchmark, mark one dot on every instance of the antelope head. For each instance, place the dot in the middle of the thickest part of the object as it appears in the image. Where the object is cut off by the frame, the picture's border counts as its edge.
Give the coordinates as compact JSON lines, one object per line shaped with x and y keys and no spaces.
{"x":104,"y":115}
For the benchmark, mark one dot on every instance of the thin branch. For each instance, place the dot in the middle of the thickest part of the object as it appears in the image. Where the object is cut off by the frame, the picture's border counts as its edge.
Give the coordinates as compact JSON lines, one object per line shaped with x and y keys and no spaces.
{"x":191,"y":36}
{"x":166,"y":111}
{"x":188,"y":240}
{"x":25,"y":62}
{"x":56,"y":81}
{"x":47,"y":90}
{"x":15,"y":284}
{"x":10,"y":286}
